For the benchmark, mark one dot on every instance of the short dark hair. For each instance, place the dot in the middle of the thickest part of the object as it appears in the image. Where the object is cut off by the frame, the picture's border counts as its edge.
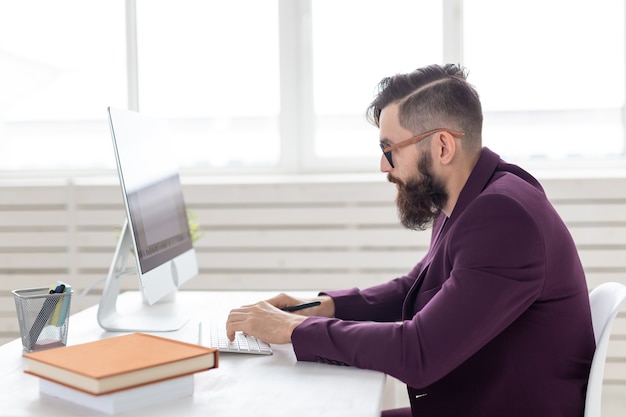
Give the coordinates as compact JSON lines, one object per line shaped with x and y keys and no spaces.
{"x":432,"y":97}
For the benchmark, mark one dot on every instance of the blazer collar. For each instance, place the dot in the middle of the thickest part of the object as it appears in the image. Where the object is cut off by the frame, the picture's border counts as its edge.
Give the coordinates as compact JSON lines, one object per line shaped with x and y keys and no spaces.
{"x":487,"y":165}
{"x":477,"y":181}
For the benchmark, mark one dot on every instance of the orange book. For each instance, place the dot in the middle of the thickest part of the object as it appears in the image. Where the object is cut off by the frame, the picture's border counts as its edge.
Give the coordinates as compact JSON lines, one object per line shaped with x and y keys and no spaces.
{"x":120,"y":362}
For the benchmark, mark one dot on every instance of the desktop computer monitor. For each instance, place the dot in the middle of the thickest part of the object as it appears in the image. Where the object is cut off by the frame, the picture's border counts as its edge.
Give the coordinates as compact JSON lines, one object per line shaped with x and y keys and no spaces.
{"x":156,"y":231}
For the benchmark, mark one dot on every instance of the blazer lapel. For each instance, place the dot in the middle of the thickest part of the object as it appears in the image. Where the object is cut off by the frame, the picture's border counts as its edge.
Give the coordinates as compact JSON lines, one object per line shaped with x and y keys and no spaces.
{"x":477,"y":181}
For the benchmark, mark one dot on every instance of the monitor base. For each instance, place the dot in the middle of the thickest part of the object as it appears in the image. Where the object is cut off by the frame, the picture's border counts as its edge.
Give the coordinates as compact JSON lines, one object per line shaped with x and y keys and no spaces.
{"x":163,"y":316}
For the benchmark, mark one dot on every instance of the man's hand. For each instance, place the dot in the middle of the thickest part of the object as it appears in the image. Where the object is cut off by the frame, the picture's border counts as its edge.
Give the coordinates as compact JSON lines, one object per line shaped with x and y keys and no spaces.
{"x":266,"y":321}
{"x":263,"y":321}
{"x":325,"y":309}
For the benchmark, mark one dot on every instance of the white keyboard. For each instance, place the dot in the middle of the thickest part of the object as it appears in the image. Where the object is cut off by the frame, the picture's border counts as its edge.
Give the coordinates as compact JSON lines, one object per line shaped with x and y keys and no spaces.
{"x":213,"y":334}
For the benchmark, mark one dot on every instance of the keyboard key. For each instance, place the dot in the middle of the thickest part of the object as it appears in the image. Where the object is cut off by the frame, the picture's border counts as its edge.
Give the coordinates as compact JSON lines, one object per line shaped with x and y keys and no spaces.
{"x":214,"y":335}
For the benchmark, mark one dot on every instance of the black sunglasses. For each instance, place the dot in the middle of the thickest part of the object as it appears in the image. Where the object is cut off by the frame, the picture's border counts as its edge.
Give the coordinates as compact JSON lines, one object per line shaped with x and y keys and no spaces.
{"x":387,"y":149}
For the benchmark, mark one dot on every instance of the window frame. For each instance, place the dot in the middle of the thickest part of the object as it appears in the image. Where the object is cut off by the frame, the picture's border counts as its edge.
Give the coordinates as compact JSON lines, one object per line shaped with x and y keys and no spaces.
{"x":297,"y":116}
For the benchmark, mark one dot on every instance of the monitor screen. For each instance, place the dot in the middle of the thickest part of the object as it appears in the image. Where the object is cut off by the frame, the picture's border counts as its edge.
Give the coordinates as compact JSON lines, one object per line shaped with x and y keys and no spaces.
{"x":156,"y":230}
{"x":159,"y":222}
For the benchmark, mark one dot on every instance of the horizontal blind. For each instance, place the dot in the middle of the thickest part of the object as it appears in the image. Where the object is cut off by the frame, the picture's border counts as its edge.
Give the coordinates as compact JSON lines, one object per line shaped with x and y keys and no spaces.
{"x":314,"y":234}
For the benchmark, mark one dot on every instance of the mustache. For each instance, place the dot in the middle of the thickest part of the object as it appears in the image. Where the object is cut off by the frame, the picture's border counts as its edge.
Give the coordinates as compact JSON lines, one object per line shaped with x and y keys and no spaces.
{"x":394,"y":180}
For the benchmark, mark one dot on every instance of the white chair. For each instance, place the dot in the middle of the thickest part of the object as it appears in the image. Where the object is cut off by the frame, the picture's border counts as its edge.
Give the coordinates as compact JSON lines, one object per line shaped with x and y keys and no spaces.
{"x":605,"y":302}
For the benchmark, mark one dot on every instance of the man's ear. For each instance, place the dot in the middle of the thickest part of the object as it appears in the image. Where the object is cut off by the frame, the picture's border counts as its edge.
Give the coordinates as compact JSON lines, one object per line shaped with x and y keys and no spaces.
{"x":446,"y":147}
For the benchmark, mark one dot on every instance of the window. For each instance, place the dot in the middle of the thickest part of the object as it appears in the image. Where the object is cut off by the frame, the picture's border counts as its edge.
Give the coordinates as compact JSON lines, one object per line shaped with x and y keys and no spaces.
{"x":550,"y":75}
{"x":355,"y":44}
{"x":61,"y":64}
{"x":212,"y":69}
{"x":283,"y":85}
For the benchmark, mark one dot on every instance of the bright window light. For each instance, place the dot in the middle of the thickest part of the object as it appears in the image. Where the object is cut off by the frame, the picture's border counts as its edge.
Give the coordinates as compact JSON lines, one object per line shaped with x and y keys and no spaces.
{"x":283,"y":85}
{"x":355,"y":44}
{"x":61,"y":64}
{"x":550,"y":75}
{"x":212,"y":69}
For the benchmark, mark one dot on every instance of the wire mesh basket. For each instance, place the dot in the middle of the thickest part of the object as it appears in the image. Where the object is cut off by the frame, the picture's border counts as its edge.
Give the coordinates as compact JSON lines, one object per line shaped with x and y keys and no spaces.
{"x":43,"y":317}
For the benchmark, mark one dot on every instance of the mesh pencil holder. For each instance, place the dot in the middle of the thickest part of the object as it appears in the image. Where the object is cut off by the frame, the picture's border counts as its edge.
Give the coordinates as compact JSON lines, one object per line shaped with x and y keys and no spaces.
{"x":43,"y":317}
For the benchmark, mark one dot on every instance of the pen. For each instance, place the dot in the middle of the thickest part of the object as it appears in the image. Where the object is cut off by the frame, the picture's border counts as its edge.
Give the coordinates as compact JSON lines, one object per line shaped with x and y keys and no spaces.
{"x":301,"y":306}
{"x":44,"y":315}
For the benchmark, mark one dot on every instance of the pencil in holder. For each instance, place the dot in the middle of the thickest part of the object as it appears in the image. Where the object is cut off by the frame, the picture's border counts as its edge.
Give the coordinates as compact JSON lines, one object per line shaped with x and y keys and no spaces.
{"x":43,"y":317}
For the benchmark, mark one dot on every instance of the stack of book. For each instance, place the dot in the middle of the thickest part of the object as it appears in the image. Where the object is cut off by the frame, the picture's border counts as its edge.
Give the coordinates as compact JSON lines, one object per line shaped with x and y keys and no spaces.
{"x":121,"y":373}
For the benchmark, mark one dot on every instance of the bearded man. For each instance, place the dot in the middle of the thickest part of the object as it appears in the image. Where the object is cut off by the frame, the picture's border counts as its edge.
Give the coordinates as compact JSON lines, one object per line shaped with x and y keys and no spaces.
{"x":494,"y":321}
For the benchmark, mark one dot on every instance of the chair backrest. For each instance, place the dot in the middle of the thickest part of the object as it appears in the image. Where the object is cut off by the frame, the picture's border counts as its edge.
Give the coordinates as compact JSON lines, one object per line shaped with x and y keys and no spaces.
{"x":605,"y":301}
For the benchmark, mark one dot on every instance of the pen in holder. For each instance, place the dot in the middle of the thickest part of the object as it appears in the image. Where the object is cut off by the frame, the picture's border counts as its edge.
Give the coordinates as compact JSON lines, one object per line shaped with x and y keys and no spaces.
{"x":43,"y":316}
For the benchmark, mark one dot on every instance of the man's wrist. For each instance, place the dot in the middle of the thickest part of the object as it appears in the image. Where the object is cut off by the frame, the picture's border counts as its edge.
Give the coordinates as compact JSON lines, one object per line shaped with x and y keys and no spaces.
{"x":295,"y":322}
{"x":327,"y":308}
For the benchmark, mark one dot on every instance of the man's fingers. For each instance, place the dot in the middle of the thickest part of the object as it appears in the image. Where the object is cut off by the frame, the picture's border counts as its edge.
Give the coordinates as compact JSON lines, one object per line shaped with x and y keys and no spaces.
{"x":234,"y":323}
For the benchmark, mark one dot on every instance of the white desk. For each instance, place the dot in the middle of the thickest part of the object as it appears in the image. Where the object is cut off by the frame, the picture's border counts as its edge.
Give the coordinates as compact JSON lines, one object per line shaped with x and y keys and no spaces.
{"x":243,"y":385}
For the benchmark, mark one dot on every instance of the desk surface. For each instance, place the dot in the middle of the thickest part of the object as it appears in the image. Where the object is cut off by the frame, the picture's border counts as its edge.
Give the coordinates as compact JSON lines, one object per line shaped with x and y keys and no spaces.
{"x":275,"y":385}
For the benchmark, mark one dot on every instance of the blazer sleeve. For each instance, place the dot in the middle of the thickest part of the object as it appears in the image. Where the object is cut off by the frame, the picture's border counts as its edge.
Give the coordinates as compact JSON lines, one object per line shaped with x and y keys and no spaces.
{"x":498,"y":266}
{"x":378,"y":303}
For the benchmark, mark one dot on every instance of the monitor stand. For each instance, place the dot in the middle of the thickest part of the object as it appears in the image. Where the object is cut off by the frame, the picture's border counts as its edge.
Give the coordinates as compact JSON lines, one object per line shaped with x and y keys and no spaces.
{"x":137,"y":315}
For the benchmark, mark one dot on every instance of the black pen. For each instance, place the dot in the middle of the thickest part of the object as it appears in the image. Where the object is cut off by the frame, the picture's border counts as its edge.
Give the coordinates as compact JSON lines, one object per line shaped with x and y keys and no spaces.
{"x":44,"y":315}
{"x":301,"y":306}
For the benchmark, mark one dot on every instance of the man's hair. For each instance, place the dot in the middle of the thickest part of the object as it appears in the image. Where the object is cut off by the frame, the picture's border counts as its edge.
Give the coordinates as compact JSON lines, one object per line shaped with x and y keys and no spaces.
{"x":432,"y":97}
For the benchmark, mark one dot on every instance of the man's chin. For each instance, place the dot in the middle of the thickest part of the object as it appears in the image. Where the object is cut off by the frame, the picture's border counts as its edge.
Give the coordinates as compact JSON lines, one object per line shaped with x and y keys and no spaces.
{"x":397,"y":183}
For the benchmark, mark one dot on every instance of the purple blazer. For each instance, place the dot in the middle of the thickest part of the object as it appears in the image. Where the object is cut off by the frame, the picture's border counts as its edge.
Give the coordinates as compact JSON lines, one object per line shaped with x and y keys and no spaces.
{"x":494,"y":321}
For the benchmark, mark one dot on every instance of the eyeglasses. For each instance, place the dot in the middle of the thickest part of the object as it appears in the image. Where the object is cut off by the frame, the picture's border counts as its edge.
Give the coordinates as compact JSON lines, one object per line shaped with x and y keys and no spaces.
{"x":387,"y":149}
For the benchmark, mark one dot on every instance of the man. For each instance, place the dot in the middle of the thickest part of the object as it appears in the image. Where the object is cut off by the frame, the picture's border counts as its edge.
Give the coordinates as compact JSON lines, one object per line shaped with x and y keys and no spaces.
{"x":495,"y":319}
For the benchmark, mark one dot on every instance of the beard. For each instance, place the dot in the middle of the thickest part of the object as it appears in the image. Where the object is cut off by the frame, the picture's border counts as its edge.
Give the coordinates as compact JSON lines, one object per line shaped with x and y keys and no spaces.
{"x":420,"y":199}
